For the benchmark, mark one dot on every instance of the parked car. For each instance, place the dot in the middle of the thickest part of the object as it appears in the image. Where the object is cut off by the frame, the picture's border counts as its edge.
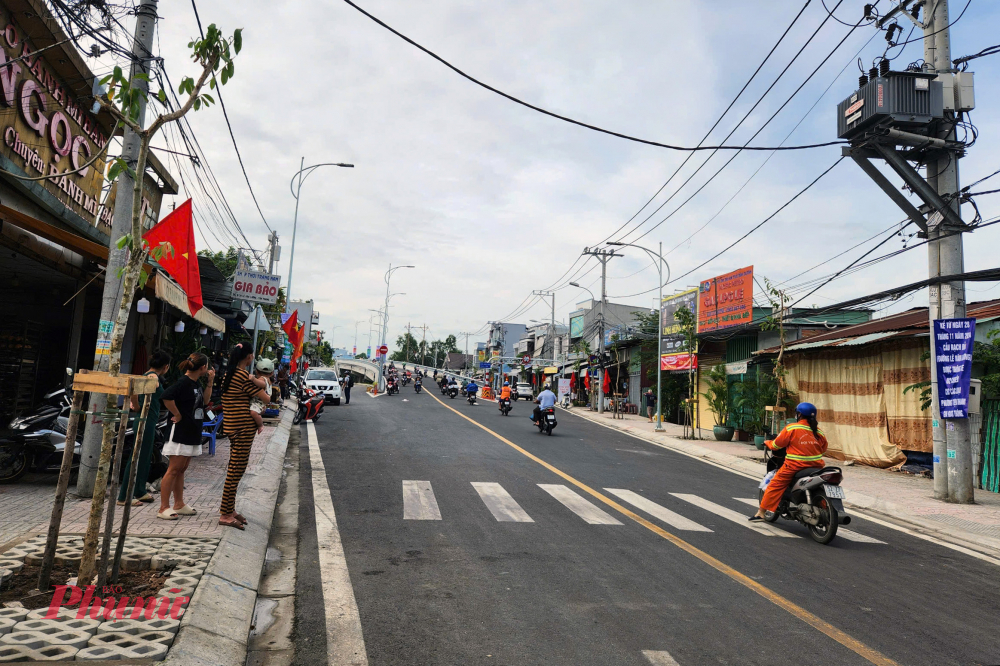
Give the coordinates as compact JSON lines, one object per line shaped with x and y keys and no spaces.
{"x":325,"y":381}
{"x":524,"y":391}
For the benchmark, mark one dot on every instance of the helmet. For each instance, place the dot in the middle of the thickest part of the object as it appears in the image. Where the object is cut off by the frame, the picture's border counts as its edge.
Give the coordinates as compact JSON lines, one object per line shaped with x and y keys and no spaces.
{"x":265,"y":366}
{"x":806,"y":409}
{"x":506,"y":383}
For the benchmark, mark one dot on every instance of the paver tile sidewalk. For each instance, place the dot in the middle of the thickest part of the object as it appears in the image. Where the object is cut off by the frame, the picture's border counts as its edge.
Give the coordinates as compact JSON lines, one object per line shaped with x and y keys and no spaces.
{"x":25,"y":507}
{"x":915,"y":493}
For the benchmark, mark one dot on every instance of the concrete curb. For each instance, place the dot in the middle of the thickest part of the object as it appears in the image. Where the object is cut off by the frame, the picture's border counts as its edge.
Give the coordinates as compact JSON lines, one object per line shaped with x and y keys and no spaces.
{"x":215,"y":629}
{"x":858,"y":501}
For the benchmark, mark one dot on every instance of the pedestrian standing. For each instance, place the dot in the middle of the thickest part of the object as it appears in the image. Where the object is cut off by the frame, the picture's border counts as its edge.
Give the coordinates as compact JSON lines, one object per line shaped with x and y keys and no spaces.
{"x":283,"y":381}
{"x":348,"y":383}
{"x":238,"y":389}
{"x":185,"y":400}
{"x":159,"y":363}
{"x":650,"y":403}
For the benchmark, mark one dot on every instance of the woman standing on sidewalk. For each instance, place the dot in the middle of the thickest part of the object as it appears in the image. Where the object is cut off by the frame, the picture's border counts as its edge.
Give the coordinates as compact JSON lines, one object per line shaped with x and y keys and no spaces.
{"x":158,"y":365}
{"x":186,"y":402}
{"x":238,"y":425}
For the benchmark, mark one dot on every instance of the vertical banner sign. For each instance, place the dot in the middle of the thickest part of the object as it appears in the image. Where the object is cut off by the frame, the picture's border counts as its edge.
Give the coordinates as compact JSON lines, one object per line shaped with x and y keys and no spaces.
{"x":670,"y":327}
{"x":563,"y":388}
{"x":953,"y":340}
{"x":726,"y":300}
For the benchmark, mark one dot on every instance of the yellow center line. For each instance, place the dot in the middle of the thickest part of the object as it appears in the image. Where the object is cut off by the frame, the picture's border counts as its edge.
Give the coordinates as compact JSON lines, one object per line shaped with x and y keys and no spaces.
{"x":814,"y":621}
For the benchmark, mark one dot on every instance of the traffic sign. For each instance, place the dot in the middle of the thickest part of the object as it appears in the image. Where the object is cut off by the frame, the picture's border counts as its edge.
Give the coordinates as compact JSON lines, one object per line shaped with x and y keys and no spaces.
{"x":383,"y":350}
{"x":526,"y":359}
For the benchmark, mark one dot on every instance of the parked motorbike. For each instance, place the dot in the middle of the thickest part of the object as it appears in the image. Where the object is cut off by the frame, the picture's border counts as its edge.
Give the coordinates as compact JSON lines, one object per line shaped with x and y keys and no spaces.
{"x":814,"y":499}
{"x":505,"y":407}
{"x":546,"y":421}
{"x":35,"y":441}
{"x":310,"y":406}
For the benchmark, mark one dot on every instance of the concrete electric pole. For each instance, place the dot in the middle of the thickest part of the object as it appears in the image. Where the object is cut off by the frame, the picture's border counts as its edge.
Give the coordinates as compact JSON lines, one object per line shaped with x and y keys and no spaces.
{"x":604,"y":256}
{"x":121,"y":224}
{"x":552,"y":324}
{"x":466,"y":350}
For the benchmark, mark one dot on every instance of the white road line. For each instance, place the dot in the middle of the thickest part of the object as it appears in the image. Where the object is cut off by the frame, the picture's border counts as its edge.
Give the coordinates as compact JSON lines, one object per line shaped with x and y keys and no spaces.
{"x":850,"y":535}
{"x":675,"y":520}
{"x":419,"y":502}
{"x":500,"y":503}
{"x":659,"y":658}
{"x":736,"y":517}
{"x":345,"y":643}
{"x":581,"y":507}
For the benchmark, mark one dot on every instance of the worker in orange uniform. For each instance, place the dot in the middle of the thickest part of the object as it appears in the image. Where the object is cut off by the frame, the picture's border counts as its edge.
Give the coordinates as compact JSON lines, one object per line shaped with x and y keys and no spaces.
{"x":504,"y":394}
{"x":804,"y":444}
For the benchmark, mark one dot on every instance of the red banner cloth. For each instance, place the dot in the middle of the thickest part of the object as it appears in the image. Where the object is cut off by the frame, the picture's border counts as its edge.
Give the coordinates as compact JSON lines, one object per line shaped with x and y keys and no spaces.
{"x":182,"y":262}
{"x":679,"y":361}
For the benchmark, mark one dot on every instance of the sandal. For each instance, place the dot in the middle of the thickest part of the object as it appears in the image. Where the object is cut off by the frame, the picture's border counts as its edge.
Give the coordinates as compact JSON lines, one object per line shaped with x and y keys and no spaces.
{"x":186,"y":510}
{"x":234,"y":523}
{"x":239,"y":517}
{"x":147,"y":498}
{"x":756,"y":519}
{"x":167,"y":514}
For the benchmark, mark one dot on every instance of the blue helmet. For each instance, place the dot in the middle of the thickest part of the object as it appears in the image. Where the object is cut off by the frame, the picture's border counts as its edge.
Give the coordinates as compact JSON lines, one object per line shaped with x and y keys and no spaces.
{"x":506,"y":383}
{"x":806,"y":409}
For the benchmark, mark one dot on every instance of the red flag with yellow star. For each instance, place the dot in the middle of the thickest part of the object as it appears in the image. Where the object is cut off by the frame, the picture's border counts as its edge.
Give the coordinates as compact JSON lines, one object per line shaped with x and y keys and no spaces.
{"x":181,"y":264}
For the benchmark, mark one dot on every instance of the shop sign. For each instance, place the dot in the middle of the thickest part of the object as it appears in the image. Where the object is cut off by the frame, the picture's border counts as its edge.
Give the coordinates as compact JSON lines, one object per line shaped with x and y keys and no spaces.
{"x":576,"y":327}
{"x":953,"y":339}
{"x":670,"y":328}
{"x":738,"y":368}
{"x":563,"y":388}
{"x":683,"y":361}
{"x":256,"y":287}
{"x":726,"y":301}
{"x":45,"y":129}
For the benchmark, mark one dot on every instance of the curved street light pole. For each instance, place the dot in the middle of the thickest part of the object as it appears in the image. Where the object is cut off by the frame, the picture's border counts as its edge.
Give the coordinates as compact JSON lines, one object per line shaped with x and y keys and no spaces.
{"x":660,"y":263}
{"x":385,"y":315}
{"x":296,"y":187}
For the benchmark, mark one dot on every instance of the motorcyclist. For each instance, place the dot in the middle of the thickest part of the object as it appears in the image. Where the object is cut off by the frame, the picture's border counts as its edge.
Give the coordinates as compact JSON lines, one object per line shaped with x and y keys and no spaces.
{"x":804,"y":444}
{"x":544,"y":400}
{"x":472,"y":388}
{"x":418,"y":383}
{"x":504,"y":394}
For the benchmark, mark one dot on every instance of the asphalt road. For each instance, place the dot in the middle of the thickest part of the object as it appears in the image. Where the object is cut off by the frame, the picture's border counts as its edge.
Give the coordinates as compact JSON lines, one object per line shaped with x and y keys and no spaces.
{"x":469,"y":588}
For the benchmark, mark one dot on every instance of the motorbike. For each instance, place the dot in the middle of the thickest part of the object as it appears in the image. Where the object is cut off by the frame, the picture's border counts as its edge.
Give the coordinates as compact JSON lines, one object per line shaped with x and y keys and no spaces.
{"x":505,"y":407}
{"x":310,"y":406}
{"x":547,"y":421}
{"x":452,"y":390}
{"x":471,"y":398}
{"x":405,"y":380}
{"x":35,"y":441}
{"x":444,"y":388}
{"x":417,"y":385}
{"x":392,"y":387}
{"x":814,"y":498}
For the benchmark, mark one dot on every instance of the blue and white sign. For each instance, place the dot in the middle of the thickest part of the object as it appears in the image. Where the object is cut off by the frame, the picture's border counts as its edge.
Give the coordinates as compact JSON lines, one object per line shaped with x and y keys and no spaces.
{"x":484,"y":365}
{"x":953,"y":340}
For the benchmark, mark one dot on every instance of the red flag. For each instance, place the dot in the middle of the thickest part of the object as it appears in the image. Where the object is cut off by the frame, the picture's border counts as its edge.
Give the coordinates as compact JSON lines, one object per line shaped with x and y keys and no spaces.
{"x":182,"y":264}
{"x":606,"y":385}
{"x":291,"y":323}
{"x":586,"y":381}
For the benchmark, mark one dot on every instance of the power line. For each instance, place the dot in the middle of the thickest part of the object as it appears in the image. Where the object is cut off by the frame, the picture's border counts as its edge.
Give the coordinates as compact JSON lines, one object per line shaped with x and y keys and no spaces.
{"x":225,"y":114}
{"x":579,"y":123}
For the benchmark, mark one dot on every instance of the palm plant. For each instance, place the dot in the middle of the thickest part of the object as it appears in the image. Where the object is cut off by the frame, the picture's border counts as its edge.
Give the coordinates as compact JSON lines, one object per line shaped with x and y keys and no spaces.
{"x":718,"y":394}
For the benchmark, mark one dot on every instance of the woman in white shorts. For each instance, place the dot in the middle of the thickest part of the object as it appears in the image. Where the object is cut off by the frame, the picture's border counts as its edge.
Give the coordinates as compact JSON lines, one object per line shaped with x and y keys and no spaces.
{"x":186,"y":401}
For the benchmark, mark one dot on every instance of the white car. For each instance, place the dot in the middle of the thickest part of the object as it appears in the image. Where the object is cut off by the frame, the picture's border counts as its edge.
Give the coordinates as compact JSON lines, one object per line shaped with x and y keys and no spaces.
{"x":326,"y":382}
{"x":524,"y":391}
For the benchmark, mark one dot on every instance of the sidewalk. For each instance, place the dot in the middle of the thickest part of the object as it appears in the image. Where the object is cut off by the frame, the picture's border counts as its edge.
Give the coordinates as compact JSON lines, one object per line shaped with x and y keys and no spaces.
{"x":901,"y":496}
{"x":215,"y":570}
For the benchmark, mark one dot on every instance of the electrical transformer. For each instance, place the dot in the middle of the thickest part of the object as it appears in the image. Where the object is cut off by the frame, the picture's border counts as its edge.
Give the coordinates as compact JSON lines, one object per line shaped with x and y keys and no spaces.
{"x":903,"y":100}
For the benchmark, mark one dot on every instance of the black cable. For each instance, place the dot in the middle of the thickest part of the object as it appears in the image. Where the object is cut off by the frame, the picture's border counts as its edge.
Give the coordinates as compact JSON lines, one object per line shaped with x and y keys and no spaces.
{"x":744,"y":236}
{"x":712,"y":129}
{"x":579,"y":123}
{"x":989,"y":50}
{"x":828,"y":11}
{"x":923,"y":37}
{"x":225,"y":114}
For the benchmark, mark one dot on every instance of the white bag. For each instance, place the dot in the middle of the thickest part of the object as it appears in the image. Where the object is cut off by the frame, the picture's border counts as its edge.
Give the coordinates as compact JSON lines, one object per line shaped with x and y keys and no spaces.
{"x":767,"y":479}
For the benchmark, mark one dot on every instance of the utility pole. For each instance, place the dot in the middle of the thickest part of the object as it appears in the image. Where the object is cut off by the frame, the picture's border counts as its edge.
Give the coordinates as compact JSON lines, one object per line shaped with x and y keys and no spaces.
{"x":466,"y":350}
{"x":552,"y":324}
{"x":272,"y":241}
{"x":604,"y":256}
{"x":121,"y":225}
{"x":407,"y":342}
{"x":423,"y":344}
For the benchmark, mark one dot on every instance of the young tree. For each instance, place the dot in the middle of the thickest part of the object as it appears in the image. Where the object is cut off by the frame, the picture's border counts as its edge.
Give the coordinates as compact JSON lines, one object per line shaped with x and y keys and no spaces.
{"x":214,"y":54}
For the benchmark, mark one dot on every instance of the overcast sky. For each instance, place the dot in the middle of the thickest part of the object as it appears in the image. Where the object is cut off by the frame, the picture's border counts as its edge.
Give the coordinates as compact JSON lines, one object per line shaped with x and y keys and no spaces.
{"x":491,"y":200}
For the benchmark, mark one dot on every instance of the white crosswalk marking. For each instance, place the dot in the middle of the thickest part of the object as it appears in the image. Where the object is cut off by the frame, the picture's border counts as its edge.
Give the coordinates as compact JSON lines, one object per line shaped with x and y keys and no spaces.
{"x":500,"y":503}
{"x":581,"y":507}
{"x":659,"y":658}
{"x":675,"y":520}
{"x":850,"y":535}
{"x":419,"y":502}
{"x":736,"y":517}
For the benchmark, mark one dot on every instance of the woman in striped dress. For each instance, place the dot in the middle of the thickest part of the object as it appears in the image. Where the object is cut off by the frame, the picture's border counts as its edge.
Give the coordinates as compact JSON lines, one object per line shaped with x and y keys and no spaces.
{"x":238,"y":425}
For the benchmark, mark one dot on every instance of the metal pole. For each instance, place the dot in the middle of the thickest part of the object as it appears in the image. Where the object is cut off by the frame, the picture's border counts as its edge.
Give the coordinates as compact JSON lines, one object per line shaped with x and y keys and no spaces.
{"x":295,"y":226}
{"x":659,"y":350}
{"x":121,"y":224}
{"x":600,"y":342}
{"x":952,"y":261}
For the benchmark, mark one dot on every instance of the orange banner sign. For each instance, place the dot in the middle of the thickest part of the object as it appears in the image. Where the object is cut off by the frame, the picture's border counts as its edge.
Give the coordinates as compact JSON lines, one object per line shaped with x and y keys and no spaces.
{"x":726,"y":300}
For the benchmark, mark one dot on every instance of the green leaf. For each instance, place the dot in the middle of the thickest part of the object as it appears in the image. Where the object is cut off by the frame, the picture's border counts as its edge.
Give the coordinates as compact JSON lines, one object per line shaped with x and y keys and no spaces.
{"x":211,"y":100}
{"x":113,"y":172}
{"x":106,"y":80}
{"x":211,"y":84}
{"x":238,"y":40}
{"x":143,"y":279}
{"x":142,"y":76}
{"x":162,"y":95}
{"x":121,"y":272}
{"x":225,"y":75}
{"x":197,"y":104}
{"x":122,"y":242}
{"x":117,"y":73}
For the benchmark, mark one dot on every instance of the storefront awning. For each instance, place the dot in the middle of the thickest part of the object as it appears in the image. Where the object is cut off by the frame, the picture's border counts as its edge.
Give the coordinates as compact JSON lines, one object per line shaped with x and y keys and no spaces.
{"x":170,"y":292}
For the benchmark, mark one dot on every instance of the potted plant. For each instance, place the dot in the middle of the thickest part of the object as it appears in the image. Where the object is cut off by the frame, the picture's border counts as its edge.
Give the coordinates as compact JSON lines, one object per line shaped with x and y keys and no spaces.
{"x":752,"y":396}
{"x":717,"y":396}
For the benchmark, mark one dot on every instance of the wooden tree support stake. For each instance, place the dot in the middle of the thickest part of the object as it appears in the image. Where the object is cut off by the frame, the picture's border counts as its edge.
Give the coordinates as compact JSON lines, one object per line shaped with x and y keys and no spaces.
{"x":140,"y":430}
{"x":102,"y":571}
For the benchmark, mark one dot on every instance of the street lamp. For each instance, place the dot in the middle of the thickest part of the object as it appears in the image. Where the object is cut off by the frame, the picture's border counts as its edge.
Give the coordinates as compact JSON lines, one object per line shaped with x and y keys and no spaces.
{"x":356,"y":324}
{"x":296,"y":186}
{"x":385,"y":314}
{"x":659,"y":333}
